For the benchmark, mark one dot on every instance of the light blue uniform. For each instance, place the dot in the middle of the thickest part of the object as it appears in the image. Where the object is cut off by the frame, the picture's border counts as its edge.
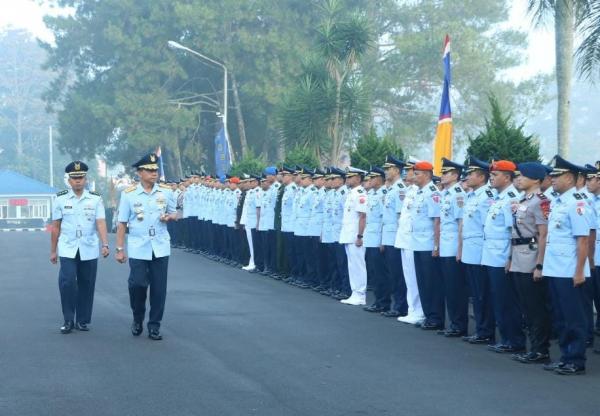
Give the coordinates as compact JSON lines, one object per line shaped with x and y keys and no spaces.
{"x":568,"y":220}
{"x":142,"y":211}
{"x":597,"y":211}
{"x":78,"y":230}
{"x":339,"y":201}
{"x":475,"y":211}
{"x":317,"y":212}
{"x":267,"y":209}
{"x":425,"y":208}
{"x":303,"y":210}
{"x":451,"y":212}
{"x":250,"y":205}
{"x":287,"y":207}
{"x":374,"y":222}
{"x":327,"y":235}
{"x":392,"y":206}
{"x":497,"y":229}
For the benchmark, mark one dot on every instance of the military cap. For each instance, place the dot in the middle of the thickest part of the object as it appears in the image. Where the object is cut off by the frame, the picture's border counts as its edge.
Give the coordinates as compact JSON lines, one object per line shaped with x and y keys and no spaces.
{"x":254,"y":177}
{"x":591,"y":171}
{"x":561,"y":166}
{"x":376,"y":171}
{"x":336,"y":173}
{"x":448,"y":166}
{"x":287,"y":170}
{"x":351,"y":171}
{"x":234,"y":179}
{"x":305,"y":172}
{"x":76,"y":169}
{"x":503,"y":166}
{"x":318,"y":173}
{"x":473,"y":164}
{"x":391,"y":162}
{"x":148,"y":162}
{"x":533,"y":170}
{"x":271,"y":171}
{"x":423,"y":165}
{"x":410,"y":163}
{"x":436,"y":179}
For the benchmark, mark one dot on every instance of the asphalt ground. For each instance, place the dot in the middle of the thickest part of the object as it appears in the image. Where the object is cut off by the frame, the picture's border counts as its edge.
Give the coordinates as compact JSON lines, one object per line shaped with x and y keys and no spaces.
{"x":242,"y":344}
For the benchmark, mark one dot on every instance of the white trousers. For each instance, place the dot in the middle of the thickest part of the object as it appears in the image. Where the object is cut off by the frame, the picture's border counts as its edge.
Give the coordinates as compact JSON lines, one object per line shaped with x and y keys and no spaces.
{"x":249,"y":237}
{"x":357,"y":269}
{"x":410,"y":277}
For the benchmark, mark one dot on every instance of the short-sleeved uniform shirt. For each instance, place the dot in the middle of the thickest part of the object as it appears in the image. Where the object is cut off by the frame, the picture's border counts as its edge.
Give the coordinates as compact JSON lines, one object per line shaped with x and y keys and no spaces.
{"x":451,"y":209}
{"x":404,"y":232}
{"x":303,"y":210}
{"x":317,"y":212}
{"x":424,"y":210}
{"x":392,"y":205}
{"x":475,"y":212}
{"x":356,"y":204}
{"x":142,"y":210}
{"x":497,"y":228}
{"x":339,"y":202}
{"x":78,"y":217}
{"x":532,"y":210}
{"x":287,"y":207}
{"x":568,"y":220}
{"x":373,"y":228}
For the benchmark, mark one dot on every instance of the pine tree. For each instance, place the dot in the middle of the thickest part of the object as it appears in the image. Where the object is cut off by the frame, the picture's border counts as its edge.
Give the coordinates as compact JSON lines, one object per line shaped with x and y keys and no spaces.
{"x":372,"y":150}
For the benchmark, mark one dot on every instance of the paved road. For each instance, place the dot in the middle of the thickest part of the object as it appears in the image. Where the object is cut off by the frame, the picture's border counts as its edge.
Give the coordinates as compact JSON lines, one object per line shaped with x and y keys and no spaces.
{"x":238,"y":344}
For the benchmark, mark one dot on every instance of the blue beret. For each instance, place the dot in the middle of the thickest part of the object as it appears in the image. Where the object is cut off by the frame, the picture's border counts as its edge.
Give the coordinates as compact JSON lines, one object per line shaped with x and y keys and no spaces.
{"x":533,"y":170}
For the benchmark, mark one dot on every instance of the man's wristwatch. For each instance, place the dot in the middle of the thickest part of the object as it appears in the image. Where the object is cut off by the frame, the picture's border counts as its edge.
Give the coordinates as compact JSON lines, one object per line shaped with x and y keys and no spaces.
{"x":539,"y":266}
{"x":359,"y":236}
{"x":119,"y":249}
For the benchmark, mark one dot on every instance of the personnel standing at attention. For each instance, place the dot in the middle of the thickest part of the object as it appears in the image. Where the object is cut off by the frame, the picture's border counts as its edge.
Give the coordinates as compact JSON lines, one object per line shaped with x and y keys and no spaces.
{"x":77,"y":220}
{"x":146,"y":208}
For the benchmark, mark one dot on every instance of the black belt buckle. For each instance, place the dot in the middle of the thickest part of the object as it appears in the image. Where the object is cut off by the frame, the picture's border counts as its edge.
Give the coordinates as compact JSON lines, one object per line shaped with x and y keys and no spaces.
{"x":532,"y":245}
{"x":151,"y":232}
{"x":78,"y":233}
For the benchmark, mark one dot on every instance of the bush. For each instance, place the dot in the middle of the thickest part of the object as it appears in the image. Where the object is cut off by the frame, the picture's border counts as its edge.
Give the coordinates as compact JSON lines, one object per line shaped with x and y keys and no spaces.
{"x":248,"y":164}
{"x":372,"y":150}
{"x":301,"y":156}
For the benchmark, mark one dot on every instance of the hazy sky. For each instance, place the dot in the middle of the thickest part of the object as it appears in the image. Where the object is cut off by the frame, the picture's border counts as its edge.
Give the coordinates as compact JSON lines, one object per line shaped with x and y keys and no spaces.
{"x":540,"y":53}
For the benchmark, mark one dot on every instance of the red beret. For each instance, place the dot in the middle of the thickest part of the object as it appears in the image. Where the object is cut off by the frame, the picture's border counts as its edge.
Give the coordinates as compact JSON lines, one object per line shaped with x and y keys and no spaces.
{"x":423,"y":166}
{"x":503,"y":166}
{"x":235,"y":179}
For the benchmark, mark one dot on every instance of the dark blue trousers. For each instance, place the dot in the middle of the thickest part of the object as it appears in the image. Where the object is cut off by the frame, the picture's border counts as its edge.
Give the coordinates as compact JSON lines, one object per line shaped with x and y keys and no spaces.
{"x":329,"y":269}
{"x":146,"y":274}
{"x":596,"y":284}
{"x":457,"y":293}
{"x":257,"y":243}
{"x":343,"y":283}
{"x":568,"y":303}
{"x":290,"y":252}
{"x":505,"y":301}
{"x":397,"y":285}
{"x":377,"y":277}
{"x":479,"y":284}
{"x":431,"y":287}
{"x":77,"y":282}
{"x":588,"y":298}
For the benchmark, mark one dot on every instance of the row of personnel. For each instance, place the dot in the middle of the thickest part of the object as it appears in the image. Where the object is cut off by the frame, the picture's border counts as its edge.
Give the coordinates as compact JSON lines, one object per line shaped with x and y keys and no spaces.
{"x":518,"y":240}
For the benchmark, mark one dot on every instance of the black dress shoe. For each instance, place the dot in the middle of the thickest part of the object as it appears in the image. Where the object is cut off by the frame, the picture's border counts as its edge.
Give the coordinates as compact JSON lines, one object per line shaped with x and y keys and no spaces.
{"x":570,"y":370}
{"x":553,"y":366}
{"x":82,"y":326}
{"x":454,"y":333}
{"x":392,"y":314}
{"x":137,"y":328}
{"x":429,"y":326}
{"x":476,"y":339}
{"x":373,"y":308}
{"x":531,"y":358}
{"x":503,"y":349}
{"x":154,"y":334}
{"x":67,"y":327}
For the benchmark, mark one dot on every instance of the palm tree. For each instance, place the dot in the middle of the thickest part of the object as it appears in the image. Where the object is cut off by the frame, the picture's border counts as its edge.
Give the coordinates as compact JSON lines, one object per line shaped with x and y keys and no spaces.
{"x":588,"y":53}
{"x":568,"y":16}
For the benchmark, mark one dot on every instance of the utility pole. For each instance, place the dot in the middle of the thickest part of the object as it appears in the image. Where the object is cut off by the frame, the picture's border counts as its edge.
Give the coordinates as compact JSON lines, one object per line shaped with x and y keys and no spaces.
{"x":51,"y":155}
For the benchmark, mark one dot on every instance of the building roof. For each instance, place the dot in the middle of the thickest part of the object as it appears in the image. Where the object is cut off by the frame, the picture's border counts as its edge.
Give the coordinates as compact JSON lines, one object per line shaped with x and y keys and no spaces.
{"x":13,"y":183}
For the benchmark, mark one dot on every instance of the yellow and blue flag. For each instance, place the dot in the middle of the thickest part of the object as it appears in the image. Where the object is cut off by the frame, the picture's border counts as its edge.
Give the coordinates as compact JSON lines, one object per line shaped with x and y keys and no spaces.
{"x":161,"y":168}
{"x":443,"y":136}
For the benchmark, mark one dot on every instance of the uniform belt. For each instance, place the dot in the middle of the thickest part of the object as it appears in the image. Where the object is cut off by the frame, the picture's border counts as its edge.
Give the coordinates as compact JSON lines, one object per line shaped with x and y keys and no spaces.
{"x":523,"y":241}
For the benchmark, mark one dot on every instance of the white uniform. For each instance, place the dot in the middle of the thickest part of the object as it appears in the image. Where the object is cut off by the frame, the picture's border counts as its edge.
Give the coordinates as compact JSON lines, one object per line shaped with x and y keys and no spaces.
{"x":356,"y":203}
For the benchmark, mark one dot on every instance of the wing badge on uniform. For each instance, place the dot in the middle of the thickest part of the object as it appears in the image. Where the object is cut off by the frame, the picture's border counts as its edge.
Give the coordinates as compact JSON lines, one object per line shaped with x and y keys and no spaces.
{"x":580,"y":208}
{"x":460,"y":201}
{"x":436,"y":197}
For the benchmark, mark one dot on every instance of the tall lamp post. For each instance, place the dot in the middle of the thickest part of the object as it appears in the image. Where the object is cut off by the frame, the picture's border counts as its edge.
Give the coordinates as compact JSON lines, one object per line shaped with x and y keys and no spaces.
{"x":175,"y":45}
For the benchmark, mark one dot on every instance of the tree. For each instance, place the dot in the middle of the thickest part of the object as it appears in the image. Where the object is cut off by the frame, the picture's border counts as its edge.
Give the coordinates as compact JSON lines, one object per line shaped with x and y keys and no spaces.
{"x":302,"y":156}
{"x":249,"y":164}
{"x":372,"y":151}
{"x":588,"y":52}
{"x":503,"y":139}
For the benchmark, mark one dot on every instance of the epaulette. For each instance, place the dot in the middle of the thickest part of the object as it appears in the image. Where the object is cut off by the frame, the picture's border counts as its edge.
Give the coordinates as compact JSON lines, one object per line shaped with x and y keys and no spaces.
{"x":489,"y":193}
{"x":584,"y":195}
{"x":554,"y":194}
{"x":433,"y":188}
{"x":401,"y":185}
{"x":360,"y":191}
{"x":541,"y":196}
{"x":577,"y":196}
{"x":511,"y":194}
{"x":384,"y":191}
{"x":130,"y":189}
{"x":63,"y":192}
{"x":343,"y":191}
{"x":458,"y":189}
{"x":95,"y":193}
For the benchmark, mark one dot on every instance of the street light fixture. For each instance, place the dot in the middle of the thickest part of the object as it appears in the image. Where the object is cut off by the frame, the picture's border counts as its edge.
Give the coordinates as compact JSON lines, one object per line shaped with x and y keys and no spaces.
{"x":175,"y":45}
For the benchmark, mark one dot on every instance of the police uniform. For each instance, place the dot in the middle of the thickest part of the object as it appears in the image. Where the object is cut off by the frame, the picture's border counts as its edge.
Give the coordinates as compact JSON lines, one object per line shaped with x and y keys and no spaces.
{"x":287,"y":222}
{"x":392,"y":206}
{"x":424,"y":212}
{"x":596,"y":272}
{"x":567,"y":223}
{"x":315,"y":230}
{"x":375,"y":262}
{"x":148,"y":246}
{"x":303,"y":210}
{"x":341,"y":285}
{"x":78,"y":248}
{"x":248,"y":220}
{"x":477,"y":205}
{"x":531,"y":213}
{"x":354,"y":207}
{"x":455,"y":281}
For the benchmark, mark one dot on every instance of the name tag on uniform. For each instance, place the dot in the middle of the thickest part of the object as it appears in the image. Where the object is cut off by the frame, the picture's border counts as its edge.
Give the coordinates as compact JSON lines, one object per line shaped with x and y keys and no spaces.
{"x":78,"y":234}
{"x":151,"y":232}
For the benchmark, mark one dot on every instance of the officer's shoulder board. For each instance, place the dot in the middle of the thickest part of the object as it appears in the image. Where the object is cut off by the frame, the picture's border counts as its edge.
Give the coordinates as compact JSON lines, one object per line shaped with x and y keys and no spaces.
{"x":577,"y":196}
{"x":584,"y":195}
{"x":433,"y":188}
{"x":63,"y":192}
{"x":360,"y":191}
{"x":489,"y":193}
{"x":95,"y":193}
{"x":458,"y":189}
{"x":130,"y":189}
{"x":541,"y":196}
{"x":164,"y":186}
{"x":554,"y":194}
{"x":511,"y":194}
{"x":384,"y":191}
{"x":343,"y":191}
{"x":400,"y":185}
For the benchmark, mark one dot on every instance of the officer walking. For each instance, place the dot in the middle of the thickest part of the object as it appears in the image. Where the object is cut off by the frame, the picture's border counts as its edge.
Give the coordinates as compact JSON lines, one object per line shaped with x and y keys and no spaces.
{"x":77,"y":220}
{"x":145,"y":209}
{"x":564,"y":266}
